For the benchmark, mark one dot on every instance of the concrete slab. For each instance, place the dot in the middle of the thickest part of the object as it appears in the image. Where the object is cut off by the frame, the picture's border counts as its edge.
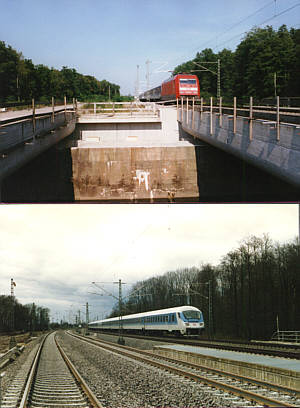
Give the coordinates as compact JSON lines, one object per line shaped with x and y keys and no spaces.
{"x":276,"y":362}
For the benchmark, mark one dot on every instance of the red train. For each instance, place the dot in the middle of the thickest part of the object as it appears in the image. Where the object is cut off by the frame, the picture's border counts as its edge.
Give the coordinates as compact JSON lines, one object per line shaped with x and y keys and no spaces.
{"x":172,"y":88}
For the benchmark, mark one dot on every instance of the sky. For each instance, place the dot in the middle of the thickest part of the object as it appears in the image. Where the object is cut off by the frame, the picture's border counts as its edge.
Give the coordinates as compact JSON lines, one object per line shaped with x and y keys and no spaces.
{"x":55,"y":252}
{"x":108,"y":39}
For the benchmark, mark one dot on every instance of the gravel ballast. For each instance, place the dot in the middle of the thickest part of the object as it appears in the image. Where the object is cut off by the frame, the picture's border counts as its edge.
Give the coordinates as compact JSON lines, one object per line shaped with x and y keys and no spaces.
{"x":120,"y":382}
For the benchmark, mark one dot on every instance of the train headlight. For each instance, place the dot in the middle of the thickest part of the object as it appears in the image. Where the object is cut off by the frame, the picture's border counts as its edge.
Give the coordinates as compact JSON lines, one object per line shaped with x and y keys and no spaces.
{"x":187,"y":324}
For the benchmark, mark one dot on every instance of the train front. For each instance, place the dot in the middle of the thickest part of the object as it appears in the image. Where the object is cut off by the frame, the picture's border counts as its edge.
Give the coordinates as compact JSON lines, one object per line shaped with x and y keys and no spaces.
{"x":192,"y":320}
{"x":187,"y":85}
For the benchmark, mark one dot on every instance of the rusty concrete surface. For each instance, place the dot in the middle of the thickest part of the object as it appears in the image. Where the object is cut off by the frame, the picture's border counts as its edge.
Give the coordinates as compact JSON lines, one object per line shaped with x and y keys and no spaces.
{"x":134,"y":173}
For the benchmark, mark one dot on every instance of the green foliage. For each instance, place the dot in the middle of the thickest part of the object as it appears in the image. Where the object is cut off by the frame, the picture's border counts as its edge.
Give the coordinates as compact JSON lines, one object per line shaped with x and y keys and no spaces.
{"x":21,"y":80}
{"x":251,"y":286}
{"x":250,"y":70}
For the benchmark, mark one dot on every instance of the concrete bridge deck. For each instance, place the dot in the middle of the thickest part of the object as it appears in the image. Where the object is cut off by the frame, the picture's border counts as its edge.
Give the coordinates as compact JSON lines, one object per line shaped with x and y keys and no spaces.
{"x":24,"y":136}
{"x":273,"y":147}
{"x":148,"y":154}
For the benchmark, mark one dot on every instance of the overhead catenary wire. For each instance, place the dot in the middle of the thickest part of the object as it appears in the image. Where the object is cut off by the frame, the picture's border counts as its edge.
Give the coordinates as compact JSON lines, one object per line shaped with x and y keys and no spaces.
{"x":234,"y":25}
{"x":263,"y":22}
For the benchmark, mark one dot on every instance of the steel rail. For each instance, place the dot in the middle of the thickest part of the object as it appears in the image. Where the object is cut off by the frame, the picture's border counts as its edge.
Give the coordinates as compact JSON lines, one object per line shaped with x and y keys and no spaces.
{"x":32,"y":372}
{"x":124,"y":350}
{"x":93,"y":401}
{"x":91,"y":396}
{"x":245,"y":347}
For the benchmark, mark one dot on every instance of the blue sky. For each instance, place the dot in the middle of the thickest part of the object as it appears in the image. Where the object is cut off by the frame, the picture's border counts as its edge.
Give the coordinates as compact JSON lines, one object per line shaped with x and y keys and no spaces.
{"x":108,"y":39}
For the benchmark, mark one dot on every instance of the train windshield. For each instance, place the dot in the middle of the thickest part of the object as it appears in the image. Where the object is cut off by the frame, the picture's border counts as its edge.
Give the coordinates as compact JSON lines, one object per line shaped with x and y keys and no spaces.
{"x":192,"y":314}
{"x":187,"y":81}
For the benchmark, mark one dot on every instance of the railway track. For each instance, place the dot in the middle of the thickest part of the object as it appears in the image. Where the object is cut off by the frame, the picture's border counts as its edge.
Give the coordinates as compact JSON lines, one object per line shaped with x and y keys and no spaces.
{"x":236,"y":387}
{"x":284,"y":351}
{"x":49,"y":379}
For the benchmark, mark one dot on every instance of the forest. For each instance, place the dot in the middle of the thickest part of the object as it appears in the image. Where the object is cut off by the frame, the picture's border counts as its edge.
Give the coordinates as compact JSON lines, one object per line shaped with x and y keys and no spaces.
{"x":17,"y":317}
{"x":265,"y":63}
{"x":253,"y":286}
{"x":21,"y":80}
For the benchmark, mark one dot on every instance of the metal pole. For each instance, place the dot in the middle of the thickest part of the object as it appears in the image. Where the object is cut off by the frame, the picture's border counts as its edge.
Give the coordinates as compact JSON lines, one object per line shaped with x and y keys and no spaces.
{"x":220,"y":111}
{"x":250,"y":118}
{"x":94,"y":108}
{"x":201,"y":108}
{"x":219,"y":80}
{"x":177,"y":109}
{"x":210,"y":309}
{"x":52,"y":109}
{"x":278,"y":119}
{"x":193,"y":115}
{"x":12,"y":295}
{"x":65,"y":103}
{"x":120,"y":340}
{"x":33,"y":114}
{"x":211,"y":115}
{"x":182,"y":109}
{"x":187,"y":110}
{"x":87,"y":315}
{"x":234,"y":114}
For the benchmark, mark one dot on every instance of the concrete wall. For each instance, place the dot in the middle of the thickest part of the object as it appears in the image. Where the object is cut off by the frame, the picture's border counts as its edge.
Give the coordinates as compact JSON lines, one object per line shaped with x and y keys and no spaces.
{"x":140,"y":173}
{"x":278,"y":157}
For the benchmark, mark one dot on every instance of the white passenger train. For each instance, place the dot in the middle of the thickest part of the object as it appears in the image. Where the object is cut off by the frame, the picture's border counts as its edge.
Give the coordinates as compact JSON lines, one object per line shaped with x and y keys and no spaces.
{"x":184,"y":320}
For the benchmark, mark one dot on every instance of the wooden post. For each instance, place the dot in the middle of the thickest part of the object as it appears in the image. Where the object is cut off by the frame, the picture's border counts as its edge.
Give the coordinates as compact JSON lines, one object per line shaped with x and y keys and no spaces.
{"x":220,"y":111}
{"x":251,"y":118}
{"x":52,"y":109}
{"x":73,"y":103}
{"x":211,"y":115}
{"x":187,"y":110}
{"x":193,"y":115}
{"x":278,"y":119}
{"x":234,"y":114}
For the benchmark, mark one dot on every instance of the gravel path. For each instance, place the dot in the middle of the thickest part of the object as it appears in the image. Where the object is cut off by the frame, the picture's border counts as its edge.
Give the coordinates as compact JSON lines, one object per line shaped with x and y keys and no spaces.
{"x":119,"y":382}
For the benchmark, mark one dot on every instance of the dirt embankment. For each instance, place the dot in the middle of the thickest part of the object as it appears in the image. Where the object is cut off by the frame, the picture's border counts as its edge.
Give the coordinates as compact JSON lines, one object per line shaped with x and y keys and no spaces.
{"x":19,"y":338}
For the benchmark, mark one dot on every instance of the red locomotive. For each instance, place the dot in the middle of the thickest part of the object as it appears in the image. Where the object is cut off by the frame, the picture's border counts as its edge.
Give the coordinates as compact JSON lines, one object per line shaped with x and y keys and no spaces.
{"x":172,"y":88}
{"x":180,"y":85}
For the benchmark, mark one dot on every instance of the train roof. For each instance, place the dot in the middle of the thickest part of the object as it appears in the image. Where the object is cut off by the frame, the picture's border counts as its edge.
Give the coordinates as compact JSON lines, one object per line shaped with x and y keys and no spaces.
{"x":151,"y":313}
{"x":180,"y":76}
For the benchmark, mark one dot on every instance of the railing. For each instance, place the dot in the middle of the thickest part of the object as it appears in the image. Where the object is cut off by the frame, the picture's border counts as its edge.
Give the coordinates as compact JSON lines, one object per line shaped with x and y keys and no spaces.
{"x":16,"y":131}
{"x":106,"y":109}
{"x":287,"y":336}
{"x":249,"y":111}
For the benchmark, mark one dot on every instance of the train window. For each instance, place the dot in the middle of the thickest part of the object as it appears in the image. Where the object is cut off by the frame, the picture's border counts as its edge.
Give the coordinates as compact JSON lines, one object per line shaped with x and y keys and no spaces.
{"x":187,"y":81}
{"x":191,"y":314}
